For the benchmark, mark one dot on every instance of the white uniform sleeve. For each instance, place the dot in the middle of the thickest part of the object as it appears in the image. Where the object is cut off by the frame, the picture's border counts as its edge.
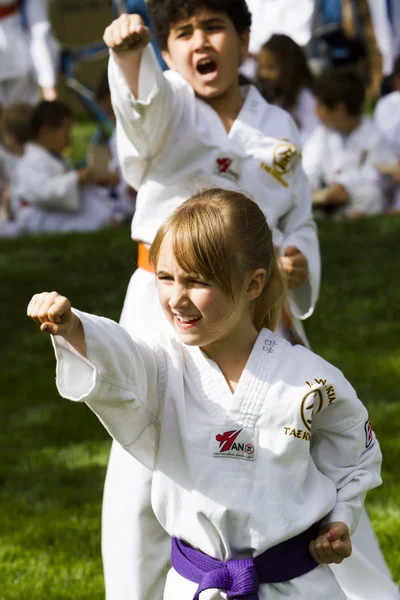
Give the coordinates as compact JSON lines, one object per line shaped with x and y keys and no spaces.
{"x":142,"y":123}
{"x":344,"y":448}
{"x":38,"y":188}
{"x":299,"y":229}
{"x":313,"y":156}
{"x":366,"y":174}
{"x":305,"y":114}
{"x":387,"y":119}
{"x":45,"y":49}
{"x":122,"y":381}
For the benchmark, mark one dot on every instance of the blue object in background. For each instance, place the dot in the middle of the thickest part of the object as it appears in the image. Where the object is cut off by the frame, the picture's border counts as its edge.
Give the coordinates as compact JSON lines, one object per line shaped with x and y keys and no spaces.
{"x":330,"y":12}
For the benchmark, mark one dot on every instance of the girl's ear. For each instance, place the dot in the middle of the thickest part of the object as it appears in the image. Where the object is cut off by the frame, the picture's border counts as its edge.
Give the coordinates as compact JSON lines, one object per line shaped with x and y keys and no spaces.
{"x":167,"y":57}
{"x":256,"y":284}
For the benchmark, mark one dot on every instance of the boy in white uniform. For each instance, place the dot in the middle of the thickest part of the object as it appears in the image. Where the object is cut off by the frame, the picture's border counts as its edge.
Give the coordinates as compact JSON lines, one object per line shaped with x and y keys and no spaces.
{"x":172,"y":131}
{"x":342,"y":155}
{"x":55,"y":196}
{"x":259,"y":470}
{"x":28,"y":52}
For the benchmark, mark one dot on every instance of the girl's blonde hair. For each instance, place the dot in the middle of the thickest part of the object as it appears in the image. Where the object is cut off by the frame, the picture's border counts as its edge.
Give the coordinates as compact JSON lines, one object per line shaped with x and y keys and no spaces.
{"x":221,"y":235}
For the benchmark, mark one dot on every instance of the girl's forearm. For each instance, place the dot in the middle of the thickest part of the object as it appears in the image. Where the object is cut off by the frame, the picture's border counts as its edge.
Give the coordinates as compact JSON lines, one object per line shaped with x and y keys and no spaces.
{"x":76,"y":337}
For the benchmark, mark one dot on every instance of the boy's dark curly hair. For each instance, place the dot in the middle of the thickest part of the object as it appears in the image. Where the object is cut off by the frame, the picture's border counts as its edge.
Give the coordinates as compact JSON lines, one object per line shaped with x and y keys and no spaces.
{"x":49,"y":113}
{"x":341,"y":85}
{"x":165,"y":13}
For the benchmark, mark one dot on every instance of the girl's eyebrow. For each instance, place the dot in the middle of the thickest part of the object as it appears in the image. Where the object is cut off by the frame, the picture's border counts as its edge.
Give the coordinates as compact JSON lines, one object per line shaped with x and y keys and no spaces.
{"x":161,"y":272}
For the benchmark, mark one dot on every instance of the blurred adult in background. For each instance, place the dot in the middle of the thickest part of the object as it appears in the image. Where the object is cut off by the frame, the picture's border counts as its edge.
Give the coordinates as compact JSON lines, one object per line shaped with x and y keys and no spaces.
{"x":349,"y":30}
{"x":28,"y":52}
{"x":285,"y":78}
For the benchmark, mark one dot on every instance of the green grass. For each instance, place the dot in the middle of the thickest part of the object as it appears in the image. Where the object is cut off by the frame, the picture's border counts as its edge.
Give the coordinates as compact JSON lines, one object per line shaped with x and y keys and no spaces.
{"x":53,"y":454}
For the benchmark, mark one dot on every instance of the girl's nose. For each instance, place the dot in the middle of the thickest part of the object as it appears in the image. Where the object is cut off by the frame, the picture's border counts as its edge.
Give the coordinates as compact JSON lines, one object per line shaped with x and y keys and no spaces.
{"x":178,"y":297}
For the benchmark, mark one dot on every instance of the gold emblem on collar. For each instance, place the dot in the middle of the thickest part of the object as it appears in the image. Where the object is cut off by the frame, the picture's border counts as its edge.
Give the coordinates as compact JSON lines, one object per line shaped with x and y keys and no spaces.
{"x":285,"y":155}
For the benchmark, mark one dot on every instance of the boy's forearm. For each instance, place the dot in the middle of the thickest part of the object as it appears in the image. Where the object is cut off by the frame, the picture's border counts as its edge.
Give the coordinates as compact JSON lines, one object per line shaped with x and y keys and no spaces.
{"x":129,"y":63}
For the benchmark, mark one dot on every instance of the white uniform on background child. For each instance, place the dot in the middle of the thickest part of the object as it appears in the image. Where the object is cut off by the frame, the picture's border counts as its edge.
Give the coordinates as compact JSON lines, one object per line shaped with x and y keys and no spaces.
{"x":309,"y":452}
{"x":8,"y":169}
{"x":387,"y":119}
{"x":28,"y":51}
{"x":350,"y":160}
{"x":52,"y":198}
{"x":167,"y":142}
{"x":304,"y":114}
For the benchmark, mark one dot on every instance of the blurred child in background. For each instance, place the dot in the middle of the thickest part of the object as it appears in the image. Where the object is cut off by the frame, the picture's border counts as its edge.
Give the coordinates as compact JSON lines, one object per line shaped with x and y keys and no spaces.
{"x":15,"y":126}
{"x":56,"y":196}
{"x":342,"y":155}
{"x":286,"y":79}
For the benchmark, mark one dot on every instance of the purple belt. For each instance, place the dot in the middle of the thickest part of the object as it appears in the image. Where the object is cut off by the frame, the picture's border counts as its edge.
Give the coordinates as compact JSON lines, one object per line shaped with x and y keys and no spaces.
{"x":241,"y":578}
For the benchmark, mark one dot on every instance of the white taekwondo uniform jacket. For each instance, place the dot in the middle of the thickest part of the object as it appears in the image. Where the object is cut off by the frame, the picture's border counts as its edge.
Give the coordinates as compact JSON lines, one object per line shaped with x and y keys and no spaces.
{"x":329,"y":157}
{"x":304,"y":450}
{"x":55,"y":200}
{"x":387,"y":119}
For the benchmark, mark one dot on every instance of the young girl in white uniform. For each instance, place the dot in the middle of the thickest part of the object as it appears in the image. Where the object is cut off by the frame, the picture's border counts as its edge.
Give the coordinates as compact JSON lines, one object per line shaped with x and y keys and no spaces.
{"x":285,"y":79}
{"x":261,"y":451}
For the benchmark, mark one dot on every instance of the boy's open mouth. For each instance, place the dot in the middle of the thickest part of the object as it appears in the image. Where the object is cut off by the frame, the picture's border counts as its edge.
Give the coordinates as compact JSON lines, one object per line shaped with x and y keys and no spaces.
{"x":206,"y":66}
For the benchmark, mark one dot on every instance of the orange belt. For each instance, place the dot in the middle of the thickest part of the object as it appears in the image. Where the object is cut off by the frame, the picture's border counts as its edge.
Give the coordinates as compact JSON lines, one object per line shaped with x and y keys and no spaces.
{"x":143,"y":260}
{"x":7,"y":11}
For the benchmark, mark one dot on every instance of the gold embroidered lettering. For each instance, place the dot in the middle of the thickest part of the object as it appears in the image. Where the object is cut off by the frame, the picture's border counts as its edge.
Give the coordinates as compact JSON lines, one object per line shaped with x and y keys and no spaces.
{"x":275,"y":174}
{"x":331,"y":394}
{"x":299,"y":434}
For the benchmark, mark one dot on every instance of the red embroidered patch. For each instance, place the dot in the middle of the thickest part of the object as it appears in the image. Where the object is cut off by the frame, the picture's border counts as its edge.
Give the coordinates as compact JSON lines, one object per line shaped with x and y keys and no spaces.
{"x":369,"y":434}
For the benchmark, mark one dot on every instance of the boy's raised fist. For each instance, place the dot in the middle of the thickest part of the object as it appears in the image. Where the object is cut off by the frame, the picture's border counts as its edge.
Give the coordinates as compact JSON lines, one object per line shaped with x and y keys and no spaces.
{"x":128,"y":33}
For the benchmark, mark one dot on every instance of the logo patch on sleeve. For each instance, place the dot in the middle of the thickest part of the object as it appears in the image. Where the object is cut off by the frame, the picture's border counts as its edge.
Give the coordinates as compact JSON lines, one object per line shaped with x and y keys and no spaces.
{"x":369,"y":434}
{"x":234,"y":443}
